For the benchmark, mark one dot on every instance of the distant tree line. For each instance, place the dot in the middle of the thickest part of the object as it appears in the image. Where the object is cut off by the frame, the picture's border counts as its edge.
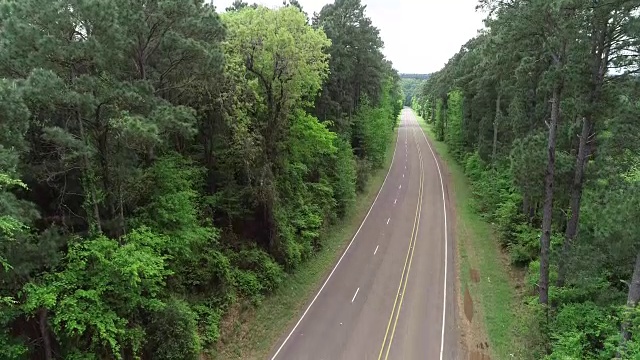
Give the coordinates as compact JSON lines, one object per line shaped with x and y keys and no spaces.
{"x":415,"y":76}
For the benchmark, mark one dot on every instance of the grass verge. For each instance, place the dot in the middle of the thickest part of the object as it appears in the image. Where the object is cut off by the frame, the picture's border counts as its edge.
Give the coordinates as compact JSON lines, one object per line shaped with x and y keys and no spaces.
{"x":254,"y":330}
{"x":497,"y":307}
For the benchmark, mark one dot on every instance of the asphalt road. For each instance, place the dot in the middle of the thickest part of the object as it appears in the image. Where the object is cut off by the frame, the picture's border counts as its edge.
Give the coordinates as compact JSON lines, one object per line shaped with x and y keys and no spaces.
{"x":391,"y":294}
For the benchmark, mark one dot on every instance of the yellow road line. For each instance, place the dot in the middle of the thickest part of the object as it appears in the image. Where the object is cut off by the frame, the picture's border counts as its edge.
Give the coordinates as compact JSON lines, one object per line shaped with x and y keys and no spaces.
{"x":405,"y":270}
{"x":413,"y":248}
{"x":386,"y":334}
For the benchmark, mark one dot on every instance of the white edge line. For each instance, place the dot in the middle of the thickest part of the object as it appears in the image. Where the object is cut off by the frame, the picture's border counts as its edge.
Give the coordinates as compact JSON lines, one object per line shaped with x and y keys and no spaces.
{"x":354,"y":295}
{"x":343,"y":254}
{"x":446,"y":241}
{"x":376,"y":249}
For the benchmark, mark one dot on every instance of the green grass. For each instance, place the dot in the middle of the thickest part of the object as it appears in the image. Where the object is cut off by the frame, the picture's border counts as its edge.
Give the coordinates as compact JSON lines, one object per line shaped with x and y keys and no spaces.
{"x":496,"y":302}
{"x":255,"y":330}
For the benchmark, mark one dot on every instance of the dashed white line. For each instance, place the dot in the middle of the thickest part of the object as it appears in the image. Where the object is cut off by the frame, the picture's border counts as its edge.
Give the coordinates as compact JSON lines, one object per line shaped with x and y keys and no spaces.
{"x":402,"y":175}
{"x":389,"y":219}
{"x":400,"y":187}
{"x":376,"y":250}
{"x":395,"y":201}
{"x":354,"y":295}
{"x":341,"y":257}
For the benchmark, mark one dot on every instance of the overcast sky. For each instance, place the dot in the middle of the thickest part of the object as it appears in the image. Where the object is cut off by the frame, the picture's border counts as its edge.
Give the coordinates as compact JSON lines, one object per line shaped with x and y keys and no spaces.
{"x":419,"y":35}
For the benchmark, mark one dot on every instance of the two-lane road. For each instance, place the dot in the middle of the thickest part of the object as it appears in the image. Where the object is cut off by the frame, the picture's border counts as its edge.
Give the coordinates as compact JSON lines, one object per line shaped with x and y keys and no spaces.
{"x":391,"y":294}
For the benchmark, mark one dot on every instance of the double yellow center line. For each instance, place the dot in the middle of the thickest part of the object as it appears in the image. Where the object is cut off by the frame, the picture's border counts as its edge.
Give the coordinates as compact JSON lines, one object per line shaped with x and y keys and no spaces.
{"x":397,"y":304}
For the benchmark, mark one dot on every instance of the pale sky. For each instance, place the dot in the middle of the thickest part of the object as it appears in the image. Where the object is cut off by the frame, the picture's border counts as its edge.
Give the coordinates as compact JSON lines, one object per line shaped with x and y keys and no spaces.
{"x":419,"y":35}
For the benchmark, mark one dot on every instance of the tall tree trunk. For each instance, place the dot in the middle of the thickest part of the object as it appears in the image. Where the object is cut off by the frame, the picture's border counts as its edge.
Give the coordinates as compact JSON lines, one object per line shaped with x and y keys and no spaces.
{"x":102,"y":142}
{"x":442,"y":119}
{"x":547,"y":214}
{"x":44,"y":332}
{"x":90,"y":185}
{"x":433,"y":111}
{"x":495,"y":131}
{"x":445,"y":110}
{"x":123,"y":224}
{"x":600,"y":49}
{"x":576,"y":198}
{"x":526,"y":206}
{"x":633,"y":297}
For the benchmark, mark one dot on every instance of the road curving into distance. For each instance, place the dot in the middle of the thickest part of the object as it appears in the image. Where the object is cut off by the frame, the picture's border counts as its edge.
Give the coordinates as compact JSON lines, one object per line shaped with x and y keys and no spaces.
{"x":391,"y":294}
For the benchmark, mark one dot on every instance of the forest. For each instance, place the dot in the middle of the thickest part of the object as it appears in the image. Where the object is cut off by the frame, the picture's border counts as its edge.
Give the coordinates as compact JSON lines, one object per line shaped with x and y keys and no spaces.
{"x":411,"y":84}
{"x":542,"y":110}
{"x":161,"y":160}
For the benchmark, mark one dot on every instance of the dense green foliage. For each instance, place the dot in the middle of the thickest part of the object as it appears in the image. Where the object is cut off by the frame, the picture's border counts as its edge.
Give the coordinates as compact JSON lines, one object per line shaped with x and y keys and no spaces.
{"x":160,"y":162}
{"x":542,"y":110}
{"x":410,"y":88}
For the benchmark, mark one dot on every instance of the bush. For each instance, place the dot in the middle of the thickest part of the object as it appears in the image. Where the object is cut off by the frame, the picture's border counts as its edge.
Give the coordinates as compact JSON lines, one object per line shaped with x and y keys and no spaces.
{"x":454,"y":132}
{"x":173,"y":333}
{"x":257,"y":273}
{"x":532,"y":279}
{"x":363,"y":170}
{"x":580,"y":331}
{"x":298,"y":231}
{"x":533,"y":275}
{"x":247,"y":284}
{"x":525,"y":246}
{"x":344,"y":178}
{"x":508,"y":217}
{"x":474,"y":167}
{"x":372,"y":130}
{"x":99,"y":292}
{"x":207,"y":271}
{"x":587,"y":290}
{"x":209,"y":317}
{"x":11,"y":348}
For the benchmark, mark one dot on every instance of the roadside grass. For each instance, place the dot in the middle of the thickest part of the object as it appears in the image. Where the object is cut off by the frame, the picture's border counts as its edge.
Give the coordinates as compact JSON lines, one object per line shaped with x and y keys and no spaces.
{"x":496,"y":303}
{"x":254,"y":330}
